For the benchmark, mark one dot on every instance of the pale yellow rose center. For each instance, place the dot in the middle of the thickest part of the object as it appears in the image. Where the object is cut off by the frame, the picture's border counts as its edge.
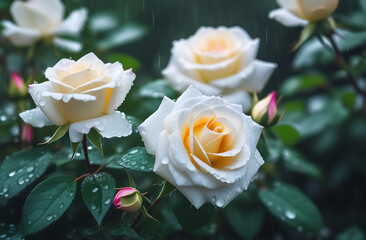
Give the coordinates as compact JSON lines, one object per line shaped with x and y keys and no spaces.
{"x":313,"y":12}
{"x":205,"y":139}
{"x":78,"y":78}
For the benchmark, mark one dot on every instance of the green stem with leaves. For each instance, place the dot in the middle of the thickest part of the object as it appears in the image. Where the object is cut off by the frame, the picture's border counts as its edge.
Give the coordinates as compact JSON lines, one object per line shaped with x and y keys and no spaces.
{"x":137,"y":220}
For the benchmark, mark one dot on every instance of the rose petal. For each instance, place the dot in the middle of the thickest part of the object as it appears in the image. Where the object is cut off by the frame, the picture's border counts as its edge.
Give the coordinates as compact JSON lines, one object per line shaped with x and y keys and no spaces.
{"x":124,"y":83}
{"x":287,"y":18}
{"x":259,"y":77}
{"x":153,"y":125}
{"x":252,"y":168}
{"x":46,"y":104}
{"x":73,"y":24}
{"x":239,"y":97}
{"x":111,"y":125}
{"x":35,"y":117}
{"x":20,"y":36}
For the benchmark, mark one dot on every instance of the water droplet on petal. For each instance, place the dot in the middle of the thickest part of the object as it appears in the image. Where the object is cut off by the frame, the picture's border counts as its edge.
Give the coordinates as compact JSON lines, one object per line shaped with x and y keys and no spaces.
{"x":220,"y":202}
{"x":165,"y":160}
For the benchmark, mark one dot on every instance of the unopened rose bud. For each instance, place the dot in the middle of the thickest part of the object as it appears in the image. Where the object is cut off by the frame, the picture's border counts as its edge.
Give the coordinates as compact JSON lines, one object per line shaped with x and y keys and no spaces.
{"x":128,"y":200}
{"x":17,"y":88}
{"x":27,"y":133}
{"x":264,"y":112}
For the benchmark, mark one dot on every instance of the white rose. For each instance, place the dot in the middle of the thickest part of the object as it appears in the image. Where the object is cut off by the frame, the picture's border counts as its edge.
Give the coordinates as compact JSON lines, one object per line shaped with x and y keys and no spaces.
{"x":204,"y":146}
{"x":300,"y":12}
{"x":219,"y":61}
{"x":37,"y":19}
{"x":85,"y":94}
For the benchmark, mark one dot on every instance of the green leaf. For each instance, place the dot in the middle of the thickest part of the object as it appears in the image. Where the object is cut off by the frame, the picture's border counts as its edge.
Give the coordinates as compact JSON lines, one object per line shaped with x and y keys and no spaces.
{"x":245,"y":221}
{"x":21,"y":169}
{"x":137,"y":159}
{"x":188,"y":216}
{"x":123,"y":231}
{"x":126,"y":34}
{"x":157,"y":89}
{"x":353,"y":233}
{"x":298,"y":163}
{"x":292,"y":207}
{"x":288,"y":135}
{"x":94,"y":138}
{"x":166,"y":189}
{"x":98,"y":191}
{"x":9,"y":232}
{"x":60,"y":132}
{"x":47,"y":202}
{"x":126,"y":60}
{"x":299,"y":83}
{"x":102,"y":22}
{"x":349,"y":100}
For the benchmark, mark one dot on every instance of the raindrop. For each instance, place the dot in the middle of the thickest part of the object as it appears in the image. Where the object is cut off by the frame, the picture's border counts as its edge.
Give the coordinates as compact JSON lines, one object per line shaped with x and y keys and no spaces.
{"x":165,"y":160}
{"x":93,"y":207}
{"x":95,"y":190}
{"x":290,"y":215}
{"x":134,"y":151}
{"x":133,"y":163}
{"x":49,"y":218}
{"x":106,"y":187}
{"x":3,"y":118}
{"x":77,"y":154}
{"x":30,"y":169}
{"x":71,"y":194}
{"x":30,"y":175}
{"x":6,"y":195}
{"x":90,"y":148}
{"x":61,"y":205}
{"x":12,"y":173}
{"x":42,"y":103}
{"x":142,"y":167}
{"x":21,"y":181}
{"x":220,"y":202}
{"x":108,"y":201}
{"x":213,"y":199}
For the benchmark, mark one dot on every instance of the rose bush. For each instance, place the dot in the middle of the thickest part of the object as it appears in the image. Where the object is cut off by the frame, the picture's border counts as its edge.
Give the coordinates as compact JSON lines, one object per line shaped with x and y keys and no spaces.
{"x":204,"y":146}
{"x":219,"y":61}
{"x":84,"y":94}
{"x":37,"y":19}
{"x":300,"y":12}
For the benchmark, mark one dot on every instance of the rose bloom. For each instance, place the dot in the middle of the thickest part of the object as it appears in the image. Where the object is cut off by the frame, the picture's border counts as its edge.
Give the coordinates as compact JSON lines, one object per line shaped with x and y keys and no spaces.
{"x":300,"y":12}
{"x":37,"y":19}
{"x":204,"y":146}
{"x":219,"y":61}
{"x":84,"y":94}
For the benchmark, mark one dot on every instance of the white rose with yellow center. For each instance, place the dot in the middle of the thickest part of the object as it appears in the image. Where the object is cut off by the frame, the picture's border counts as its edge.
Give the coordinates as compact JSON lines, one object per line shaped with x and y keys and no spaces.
{"x":84,"y":94}
{"x":300,"y":12}
{"x":219,"y":61}
{"x":37,"y":19}
{"x":204,"y":146}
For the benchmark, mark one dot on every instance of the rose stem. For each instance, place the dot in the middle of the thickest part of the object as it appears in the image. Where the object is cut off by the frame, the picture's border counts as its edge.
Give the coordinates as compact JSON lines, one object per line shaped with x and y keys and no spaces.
{"x":137,"y":220}
{"x":85,"y":148}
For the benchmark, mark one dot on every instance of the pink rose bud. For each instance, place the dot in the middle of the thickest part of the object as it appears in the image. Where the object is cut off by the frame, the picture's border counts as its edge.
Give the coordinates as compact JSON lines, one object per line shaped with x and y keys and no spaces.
{"x":128,"y":200}
{"x":264,"y":112}
{"x":17,"y":88}
{"x":27,"y":133}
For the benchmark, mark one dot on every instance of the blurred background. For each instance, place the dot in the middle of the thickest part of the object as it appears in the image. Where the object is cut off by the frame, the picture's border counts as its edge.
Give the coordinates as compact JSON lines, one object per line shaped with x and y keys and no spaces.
{"x":331,"y":135}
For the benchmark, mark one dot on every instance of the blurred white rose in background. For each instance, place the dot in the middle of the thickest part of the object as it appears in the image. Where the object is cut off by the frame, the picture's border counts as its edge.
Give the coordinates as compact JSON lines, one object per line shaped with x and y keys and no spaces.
{"x":219,"y":61}
{"x":36,"y":19}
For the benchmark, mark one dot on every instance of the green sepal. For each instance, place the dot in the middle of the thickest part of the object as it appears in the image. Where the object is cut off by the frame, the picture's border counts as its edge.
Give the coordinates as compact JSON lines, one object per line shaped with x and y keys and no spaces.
{"x":60,"y":132}
{"x":146,"y":214}
{"x":130,"y":180}
{"x":95,"y":139}
{"x":305,"y":35}
{"x":75,"y":147}
{"x":166,"y":189}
